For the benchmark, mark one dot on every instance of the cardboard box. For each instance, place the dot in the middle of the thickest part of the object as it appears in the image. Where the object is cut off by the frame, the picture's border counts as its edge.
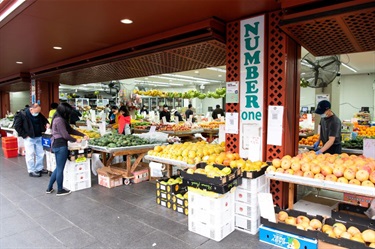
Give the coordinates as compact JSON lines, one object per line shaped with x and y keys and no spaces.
{"x":71,"y":166}
{"x":352,"y":213}
{"x":285,"y":240}
{"x":180,"y":201}
{"x":211,"y":218}
{"x":219,"y":180}
{"x":163,"y":202}
{"x":141,"y":175}
{"x":363,"y":201}
{"x":163,"y":195}
{"x":221,"y":189}
{"x":170,"y":188}
{"x":75,"y":154}
{"x":324,"y":245}
{"x":180,"y":209}
{"x":254,"y":174}
{"x":107,"y":179}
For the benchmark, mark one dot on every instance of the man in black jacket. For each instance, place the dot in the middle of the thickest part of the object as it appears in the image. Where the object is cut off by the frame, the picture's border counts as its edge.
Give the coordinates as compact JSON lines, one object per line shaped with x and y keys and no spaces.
{"x":29,"y":124}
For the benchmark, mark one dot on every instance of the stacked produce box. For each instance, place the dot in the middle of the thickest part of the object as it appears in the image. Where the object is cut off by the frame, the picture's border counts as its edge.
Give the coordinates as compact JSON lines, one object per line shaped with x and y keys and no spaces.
{"x":247,"y":213}
{"x":77,"y":174}
{"x":10,"y":146}
{"x":170,"y":194}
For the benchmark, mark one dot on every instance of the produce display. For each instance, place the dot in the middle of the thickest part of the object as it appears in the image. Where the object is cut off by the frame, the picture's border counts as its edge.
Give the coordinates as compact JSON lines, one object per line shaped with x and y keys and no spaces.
{"x":305,"y":130}
{"x":175,"y":127}
{"x":356,"y":143}
{"x":210,"y":171}
{"x":342,"y":168}
{"x":219,"y":93}
{"x":309,"y":141}
{"x":211,"y":125}
{"x":301,"y":222}
{"x":365,"y":131}
{"x":117,"y":140}
{"x":172,"y":181}
{"x":90,"y":134}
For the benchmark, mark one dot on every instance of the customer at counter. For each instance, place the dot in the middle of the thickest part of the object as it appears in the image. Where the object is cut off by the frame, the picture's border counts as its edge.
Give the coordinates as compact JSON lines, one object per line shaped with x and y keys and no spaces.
{"x":330,"y":129}
{"x":165,"y":113}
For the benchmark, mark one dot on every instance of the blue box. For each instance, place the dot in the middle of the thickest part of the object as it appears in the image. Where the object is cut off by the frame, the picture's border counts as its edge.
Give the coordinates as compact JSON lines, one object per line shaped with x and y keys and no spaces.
{"x":46,"y":141}
{"x":285,"y":240}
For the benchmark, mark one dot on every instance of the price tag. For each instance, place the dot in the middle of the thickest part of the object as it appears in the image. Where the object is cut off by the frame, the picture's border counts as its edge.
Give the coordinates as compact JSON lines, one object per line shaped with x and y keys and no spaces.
{"x":369,"y":148}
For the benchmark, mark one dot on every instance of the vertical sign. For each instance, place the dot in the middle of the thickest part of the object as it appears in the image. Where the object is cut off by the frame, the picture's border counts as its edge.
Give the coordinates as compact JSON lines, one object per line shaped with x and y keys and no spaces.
{"x":251,"y":87}
{"x":33,"y":91}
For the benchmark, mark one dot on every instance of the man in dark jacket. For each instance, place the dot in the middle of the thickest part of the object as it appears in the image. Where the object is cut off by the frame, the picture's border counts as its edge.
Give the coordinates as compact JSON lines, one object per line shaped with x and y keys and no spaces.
{"x":217,"y":111}
{"x":30,"y":124}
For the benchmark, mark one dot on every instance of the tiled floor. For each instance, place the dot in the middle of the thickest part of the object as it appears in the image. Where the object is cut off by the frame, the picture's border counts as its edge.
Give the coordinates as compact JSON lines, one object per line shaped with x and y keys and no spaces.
{"x":122,"y":217}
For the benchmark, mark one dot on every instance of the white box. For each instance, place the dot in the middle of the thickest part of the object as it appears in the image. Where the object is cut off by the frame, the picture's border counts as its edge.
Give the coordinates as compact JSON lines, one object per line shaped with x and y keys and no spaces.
{"x":253,"y":184}
{"x":213,"y":218}
{"x":72,"y":166}
{"x":246,"y":209}
{"x":250,"y":196}
{"x":216,"y":233}
{"x":246,"y":224}
{"x":50,"y":161}
{"x":75,"y":186}
{"x":77,"y":176}
{"x":209,"y":204}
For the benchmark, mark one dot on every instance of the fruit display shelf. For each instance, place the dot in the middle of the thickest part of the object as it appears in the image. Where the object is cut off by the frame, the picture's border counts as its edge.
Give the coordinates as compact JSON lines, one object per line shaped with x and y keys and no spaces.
{"x":117,"y":149}
{"x":169,"y":163}
{"x":323,"y":184}
{"x":343,"y":150}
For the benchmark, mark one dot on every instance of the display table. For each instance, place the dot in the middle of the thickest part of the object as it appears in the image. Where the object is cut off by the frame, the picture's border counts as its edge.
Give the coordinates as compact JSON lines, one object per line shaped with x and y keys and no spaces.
{"x":343,"y":150}
{"x":138,"y":151}
{"x":317,"y":183}
{"x":211,"y":133}
{"x":169,"y":163}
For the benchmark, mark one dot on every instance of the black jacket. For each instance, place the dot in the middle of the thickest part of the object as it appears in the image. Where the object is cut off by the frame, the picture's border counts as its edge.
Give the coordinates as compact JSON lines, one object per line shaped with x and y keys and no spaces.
{"x":24,"y":127}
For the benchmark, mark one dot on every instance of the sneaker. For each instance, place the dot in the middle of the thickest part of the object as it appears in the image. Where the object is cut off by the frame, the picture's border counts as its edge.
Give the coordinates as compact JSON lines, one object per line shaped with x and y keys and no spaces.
{"x":43,"y":171}
{"x":49,"y":191}
{"x":63,"y":192}
{"x":35,"y":174}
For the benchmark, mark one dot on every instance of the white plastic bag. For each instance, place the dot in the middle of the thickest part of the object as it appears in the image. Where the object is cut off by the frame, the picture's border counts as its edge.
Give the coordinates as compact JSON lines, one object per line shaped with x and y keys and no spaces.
{"x":96,"y":163}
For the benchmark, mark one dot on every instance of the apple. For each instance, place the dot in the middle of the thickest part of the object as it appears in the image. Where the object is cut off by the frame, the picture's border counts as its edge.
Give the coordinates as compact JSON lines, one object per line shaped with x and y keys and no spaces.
{"x":325,"y":170}
{"x":331,"y":178}
{"x":290,"y":220}
{"x":362,"y":175}
{"x":308,"y":174}
{"x":338,"y":171}
{"x":372,"y":177}
{"x":368,"y":235}
{"x":326,"y":227}
{"x":282,"y":215}
{"x":301,"y":219}
{"x":354,"y":182}
{"x":330,"y":233}
{"x":319,"y":176}
{"x":343,"y":180}
{"x":315,"y":168}
{"x":316,"y":224}
{"x":346,"y":235}
{"x":337,"y":231}
{"x":366,"y":167}
{"x":287,"y":157}
{"x":285,"y":163}
{"x":371,"y":245}
{"x":280,"y":170}
{"x":305,"y":167}
{"x":367,"y":183}
{"x":349,"y":174}
{"x":300,"y":227}
{"x":358,"y":238}
{"x":276,"y":163}
{"x":295,"y":166}
{"x":353,"y":230}
{"x":298,"y":173}
{"x":289,"y":171}
{"x":271,"y":169}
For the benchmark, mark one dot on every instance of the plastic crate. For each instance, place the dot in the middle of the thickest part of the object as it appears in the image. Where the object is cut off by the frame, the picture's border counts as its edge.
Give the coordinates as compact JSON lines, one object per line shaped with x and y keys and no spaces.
{"x":75,"y":186}
{"x":9,"y":153}
{"x":78,"y":176}
{"x":253,"y":184}
{"x":250,"y":196}
{"x":246,"y":224}
{"x":250,"y":210}
{"x":71,"y":166}
{"x":75,"y":154}
{"x":216,"y":233}
{"x":211,"y":218}
{"x":210,"y":204}
{"x":9,"y":143}
{"x":163,"y":194}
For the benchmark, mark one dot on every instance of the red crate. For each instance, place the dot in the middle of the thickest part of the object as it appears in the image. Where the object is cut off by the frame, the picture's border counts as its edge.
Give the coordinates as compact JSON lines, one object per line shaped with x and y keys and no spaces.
{"x":9,"y":142}
{"x":8,"y":153}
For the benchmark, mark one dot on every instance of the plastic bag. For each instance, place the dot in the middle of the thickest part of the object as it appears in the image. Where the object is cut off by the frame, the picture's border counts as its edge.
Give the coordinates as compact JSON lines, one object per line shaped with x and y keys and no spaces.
{"x":154,"y":137}
{"x":96,"y":163}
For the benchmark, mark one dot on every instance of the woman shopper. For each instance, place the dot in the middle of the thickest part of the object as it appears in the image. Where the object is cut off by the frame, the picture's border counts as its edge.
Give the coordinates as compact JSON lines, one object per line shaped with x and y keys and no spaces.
{"x":61,"y":131}
{"x":124,"y":121}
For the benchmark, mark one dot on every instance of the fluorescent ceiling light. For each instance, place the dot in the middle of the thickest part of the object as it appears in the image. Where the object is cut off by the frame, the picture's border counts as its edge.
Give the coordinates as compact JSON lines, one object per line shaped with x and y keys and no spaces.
{"x":57,"y":48}
{"x":157,"y":83}
{"x":126,"y":21}
{"x":189,"y":77}
{"x":19,"y":62}
{"x":349,"y":67}
{"x":14,"y":6}
{"x":217,"y":69}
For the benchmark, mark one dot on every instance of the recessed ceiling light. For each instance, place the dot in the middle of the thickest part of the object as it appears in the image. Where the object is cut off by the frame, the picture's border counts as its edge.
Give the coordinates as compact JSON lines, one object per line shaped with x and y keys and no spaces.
{"x":19,"y":62}
{"x":126,"y":21}
{"x":57,"y":48}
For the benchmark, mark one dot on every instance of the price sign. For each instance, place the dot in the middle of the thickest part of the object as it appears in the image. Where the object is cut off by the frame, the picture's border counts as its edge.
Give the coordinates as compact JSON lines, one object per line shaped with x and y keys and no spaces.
{"x":369,"y":148}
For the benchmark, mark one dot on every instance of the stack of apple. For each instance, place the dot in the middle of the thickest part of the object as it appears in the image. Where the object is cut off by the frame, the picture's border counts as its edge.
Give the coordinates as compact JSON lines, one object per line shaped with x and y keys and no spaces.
{"x":342,"y":168}
{"x":301,"y":222}
{"x":338,"y":230}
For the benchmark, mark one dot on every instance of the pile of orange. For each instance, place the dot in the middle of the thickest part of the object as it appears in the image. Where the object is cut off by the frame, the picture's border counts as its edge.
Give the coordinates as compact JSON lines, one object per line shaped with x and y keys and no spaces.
{"x":366,"y":131}
{"x":309,"y":141}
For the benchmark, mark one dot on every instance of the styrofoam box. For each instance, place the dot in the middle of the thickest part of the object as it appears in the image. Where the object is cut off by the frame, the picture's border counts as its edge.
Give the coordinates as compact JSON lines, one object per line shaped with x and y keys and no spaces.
{"x":72,"y":166}
{"x":250,"y":196}
{"x":250,"y":210}
{"x":212,"y":218}
{"x":77,"y":176}
{"x":50,"y":161}
{"x":209,"y":204}
{"x":75,"y":186}
{"x":216,"y":233}
{"x":253,"y":184}
{"x":246,"y":224}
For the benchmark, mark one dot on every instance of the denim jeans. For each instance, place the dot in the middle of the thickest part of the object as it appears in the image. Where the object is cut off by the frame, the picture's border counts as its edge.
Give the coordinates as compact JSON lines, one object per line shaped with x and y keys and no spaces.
{"x":34,"y":154}
{"x":61,"y":154}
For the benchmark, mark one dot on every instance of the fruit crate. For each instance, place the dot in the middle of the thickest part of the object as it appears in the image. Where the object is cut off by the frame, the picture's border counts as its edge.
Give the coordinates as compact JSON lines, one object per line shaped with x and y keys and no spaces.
{"x":253,"y":184}
{"x":254,"y":174}
{"x":10,"y":153}
{"x":210,"y":202}
{"x":77,"y":185}
{"x":247,"y":196}
{"x":9,"y":143}
{"x":250,"y":210}
{"x":75,"y":154}
{"x":221,"y":189}
{"x":164,"y":202}
{"x":180,"y":209}
{"x":216,"y":233}
{"x":352,"y":213}
{"x":346,"y":243}
{"x":164,"y":195}
{"x":246,"y":224}
{"x":218,"y":180}
{"x":290,"y":228}
{"x":181,"y":201}
{"x":169,"y":188}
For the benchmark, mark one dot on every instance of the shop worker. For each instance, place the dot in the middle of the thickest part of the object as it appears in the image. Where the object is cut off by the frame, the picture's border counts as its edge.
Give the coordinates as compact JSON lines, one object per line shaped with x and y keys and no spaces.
{"x":189,"y":112}
{"x":217,"y":111}
{"x":61,"y":131}
{"x":177,"y":114}
{"x":330,"y":129}
{"x":124,"y":121}
{"x":113,"y":117}
{"x":52,"y":111}
{"x":29,"y":124}
{"x":165,"y":113}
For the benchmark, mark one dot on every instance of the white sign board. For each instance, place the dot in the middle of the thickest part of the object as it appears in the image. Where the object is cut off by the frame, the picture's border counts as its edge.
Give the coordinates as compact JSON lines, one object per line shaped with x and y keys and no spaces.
{"x":252,"y":87}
